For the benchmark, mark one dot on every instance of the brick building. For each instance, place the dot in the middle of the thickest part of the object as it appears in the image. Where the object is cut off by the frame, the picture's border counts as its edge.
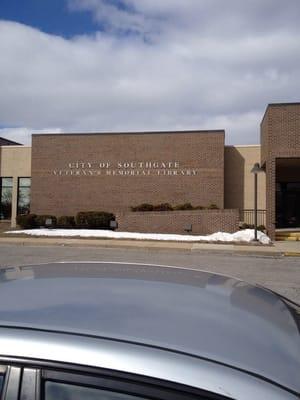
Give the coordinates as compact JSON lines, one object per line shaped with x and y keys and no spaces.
{"x":63,"y":174}
{"x":280,"y":158}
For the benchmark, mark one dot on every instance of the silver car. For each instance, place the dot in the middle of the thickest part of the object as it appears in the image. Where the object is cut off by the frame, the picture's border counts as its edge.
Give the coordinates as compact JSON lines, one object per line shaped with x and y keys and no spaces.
{"x":116,"y":331}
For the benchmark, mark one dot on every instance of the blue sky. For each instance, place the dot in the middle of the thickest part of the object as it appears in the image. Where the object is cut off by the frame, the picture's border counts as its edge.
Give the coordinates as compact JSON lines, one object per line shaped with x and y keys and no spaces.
{"x":142,"y":65}
{"x":50,"y":16}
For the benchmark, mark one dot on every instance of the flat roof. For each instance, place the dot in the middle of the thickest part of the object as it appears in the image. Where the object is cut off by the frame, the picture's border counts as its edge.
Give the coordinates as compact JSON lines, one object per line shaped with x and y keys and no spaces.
{"x":243,"y":145}
{"x":219,"y":131}
{"x":284,"y":104}
{"x":278,"y":105}
{"x":14,"y":146}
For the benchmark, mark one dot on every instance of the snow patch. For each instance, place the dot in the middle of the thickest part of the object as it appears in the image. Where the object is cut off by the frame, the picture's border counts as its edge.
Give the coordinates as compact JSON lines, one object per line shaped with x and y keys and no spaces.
{"x":246,"y":235}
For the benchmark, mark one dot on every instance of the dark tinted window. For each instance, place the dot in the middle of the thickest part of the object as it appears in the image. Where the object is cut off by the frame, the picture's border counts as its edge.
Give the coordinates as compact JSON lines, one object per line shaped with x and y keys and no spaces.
{"x":6,"y":187}
{"x":62,"y":391}
{"x":1,"y":383}
{"x":61,"y":385}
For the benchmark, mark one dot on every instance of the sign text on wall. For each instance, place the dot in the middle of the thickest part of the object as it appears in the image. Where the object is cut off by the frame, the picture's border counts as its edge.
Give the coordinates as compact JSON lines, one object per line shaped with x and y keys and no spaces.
{"x":125,"y":168}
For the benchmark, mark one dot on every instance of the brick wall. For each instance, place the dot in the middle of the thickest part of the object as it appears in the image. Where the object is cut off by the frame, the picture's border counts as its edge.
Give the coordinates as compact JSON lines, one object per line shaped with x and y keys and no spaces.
{"x":280,"y":137}
{"x":59,"y":187}
{"x":203,"y":221}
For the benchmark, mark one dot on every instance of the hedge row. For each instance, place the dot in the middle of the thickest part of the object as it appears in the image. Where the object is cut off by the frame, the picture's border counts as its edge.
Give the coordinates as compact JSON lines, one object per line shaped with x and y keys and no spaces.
{"x":169,"y":207}
{"x":87,"y":220}
{"x":261,"y":228}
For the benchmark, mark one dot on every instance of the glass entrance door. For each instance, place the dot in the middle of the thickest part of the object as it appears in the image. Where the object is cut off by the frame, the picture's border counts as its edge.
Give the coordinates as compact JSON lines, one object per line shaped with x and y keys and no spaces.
{"x":288,"y":205}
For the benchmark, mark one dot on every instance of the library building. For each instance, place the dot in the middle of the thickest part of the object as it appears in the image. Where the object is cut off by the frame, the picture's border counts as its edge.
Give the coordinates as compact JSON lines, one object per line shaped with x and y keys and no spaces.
{"x":160,"y":182}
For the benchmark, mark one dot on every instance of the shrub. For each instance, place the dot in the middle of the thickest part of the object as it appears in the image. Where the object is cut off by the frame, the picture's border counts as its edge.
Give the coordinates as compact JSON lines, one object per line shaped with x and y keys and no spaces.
{"x":150,"y":207}
{"x":42,"y":219}
{"x":26,"y":221}
{"x":169,"y":207}
{"x":143,"y":207}
{"x":66,"y":221}
{"x":185,"y":206}
{"x":163,"y":207}
{"x":251,"y":226}
{"x":212,"y":206}
{"x":247,"y":226}
{"x":261,"y":228}
{"x":94,"y":219}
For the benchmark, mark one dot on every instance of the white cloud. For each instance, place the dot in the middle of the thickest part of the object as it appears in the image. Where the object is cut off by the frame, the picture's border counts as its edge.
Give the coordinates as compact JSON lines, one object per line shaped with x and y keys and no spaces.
{"x":207,"y":17}
{"x":23,"y":135}
{"x":112,"y":17}
{"x":202,"y":67}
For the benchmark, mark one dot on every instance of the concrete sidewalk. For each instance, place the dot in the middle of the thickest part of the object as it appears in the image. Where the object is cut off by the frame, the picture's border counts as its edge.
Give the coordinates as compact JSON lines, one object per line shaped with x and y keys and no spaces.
{"x":289,"y":248}
{"x":278,"y":249}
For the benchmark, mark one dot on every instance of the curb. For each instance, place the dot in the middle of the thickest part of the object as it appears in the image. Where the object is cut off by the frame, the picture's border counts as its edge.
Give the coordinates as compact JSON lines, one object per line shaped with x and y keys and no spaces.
{"x":149,"y":245}
{"x":291,"y":254}
{"x":239,"y":249}
{"x":273,"y":254}
{"x":72,"y":242}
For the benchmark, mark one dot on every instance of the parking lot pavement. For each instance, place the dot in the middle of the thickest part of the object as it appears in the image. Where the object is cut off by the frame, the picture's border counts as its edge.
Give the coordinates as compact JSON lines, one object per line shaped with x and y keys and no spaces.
{"x":281,"y":274}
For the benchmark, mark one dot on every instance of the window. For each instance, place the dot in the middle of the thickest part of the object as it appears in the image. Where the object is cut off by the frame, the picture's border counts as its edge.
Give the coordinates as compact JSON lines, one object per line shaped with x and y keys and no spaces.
{"x":2,"y":379}
{"x":6,"y":185}
{"x":1,"y":382}
{"x":62,"y":391}
{"x":61,"y":385}
{"x":10,"y":382}
{"x":24,"y":196}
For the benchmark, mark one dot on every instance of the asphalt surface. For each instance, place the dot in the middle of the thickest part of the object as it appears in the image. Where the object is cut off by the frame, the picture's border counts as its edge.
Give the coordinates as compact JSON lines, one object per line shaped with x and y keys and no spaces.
{"x":281,"y":274}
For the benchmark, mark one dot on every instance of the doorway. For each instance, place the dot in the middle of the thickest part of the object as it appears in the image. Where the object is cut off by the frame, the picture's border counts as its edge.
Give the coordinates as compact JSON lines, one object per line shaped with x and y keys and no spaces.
{"x":288,"y":204}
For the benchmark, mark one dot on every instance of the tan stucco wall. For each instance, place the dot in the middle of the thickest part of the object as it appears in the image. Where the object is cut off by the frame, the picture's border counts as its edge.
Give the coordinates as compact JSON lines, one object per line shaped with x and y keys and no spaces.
{"x":15,"y":162}
{"x":239,"y":181}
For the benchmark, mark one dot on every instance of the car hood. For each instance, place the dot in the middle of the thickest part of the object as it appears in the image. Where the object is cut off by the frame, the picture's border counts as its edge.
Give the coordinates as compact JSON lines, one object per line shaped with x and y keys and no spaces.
{"x":194,"y":312}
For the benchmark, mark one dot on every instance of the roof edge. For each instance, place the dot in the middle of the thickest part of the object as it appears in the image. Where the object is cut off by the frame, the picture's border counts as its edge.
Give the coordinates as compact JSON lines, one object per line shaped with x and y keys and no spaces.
{"x":9,"y":142}
{"x":243,"y":145}
{"x":194,"y":131}
{"x":278,"y":105}
{"x":15,"y":146}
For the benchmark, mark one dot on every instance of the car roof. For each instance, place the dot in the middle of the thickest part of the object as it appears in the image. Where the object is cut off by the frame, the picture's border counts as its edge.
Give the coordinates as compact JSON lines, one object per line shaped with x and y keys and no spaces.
{"x":75,"y":352}
{"x":191,"y":312}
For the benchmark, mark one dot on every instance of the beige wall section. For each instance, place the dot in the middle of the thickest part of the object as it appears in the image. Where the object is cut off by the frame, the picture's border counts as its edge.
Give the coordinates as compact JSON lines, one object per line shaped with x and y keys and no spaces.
{"x":239,"y":181}
{"x":15,"y":162}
